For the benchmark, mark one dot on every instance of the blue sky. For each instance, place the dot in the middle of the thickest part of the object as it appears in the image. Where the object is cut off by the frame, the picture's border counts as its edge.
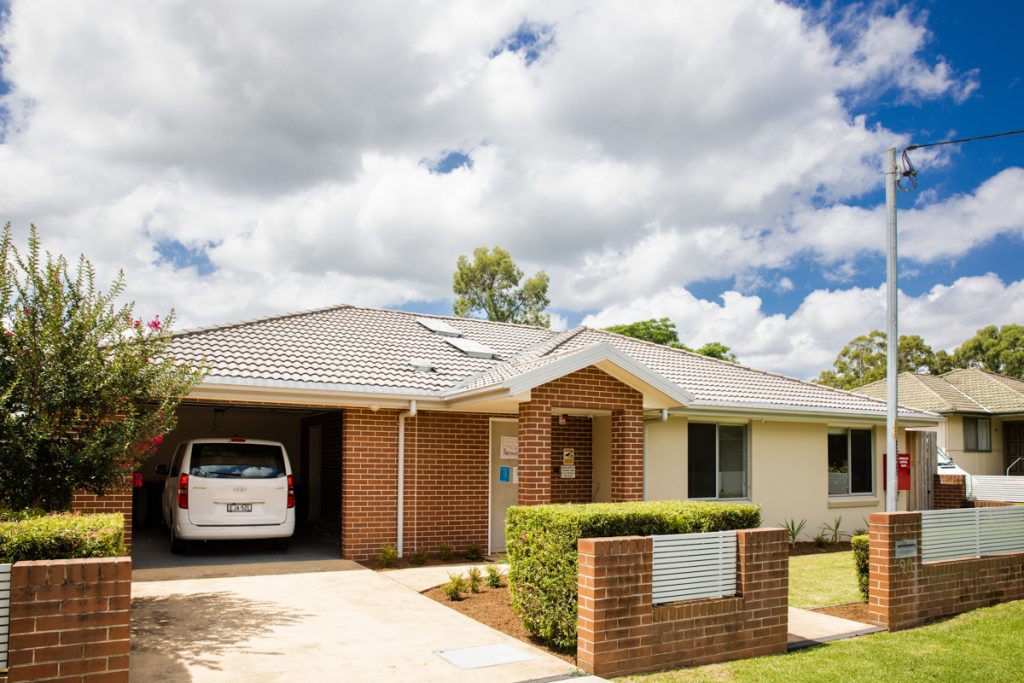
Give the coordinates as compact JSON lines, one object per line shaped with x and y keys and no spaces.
{"x":715,"y":163}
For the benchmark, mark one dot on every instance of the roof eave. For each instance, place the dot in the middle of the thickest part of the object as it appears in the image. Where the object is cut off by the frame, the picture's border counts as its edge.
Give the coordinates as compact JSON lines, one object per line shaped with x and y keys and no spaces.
{"x":754,"y":409}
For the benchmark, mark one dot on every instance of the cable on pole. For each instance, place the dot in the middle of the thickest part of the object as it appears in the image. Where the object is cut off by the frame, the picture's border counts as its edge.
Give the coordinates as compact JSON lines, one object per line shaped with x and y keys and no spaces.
{"x":907,"y":180}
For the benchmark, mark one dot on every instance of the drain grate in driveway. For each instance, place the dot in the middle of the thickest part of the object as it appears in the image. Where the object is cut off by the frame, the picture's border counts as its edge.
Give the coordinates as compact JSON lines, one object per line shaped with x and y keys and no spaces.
{"x":485,"y":655}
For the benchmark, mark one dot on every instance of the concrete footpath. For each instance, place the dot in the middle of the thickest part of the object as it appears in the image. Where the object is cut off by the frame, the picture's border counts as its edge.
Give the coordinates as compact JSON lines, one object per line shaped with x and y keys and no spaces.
{"x":354,"y":625}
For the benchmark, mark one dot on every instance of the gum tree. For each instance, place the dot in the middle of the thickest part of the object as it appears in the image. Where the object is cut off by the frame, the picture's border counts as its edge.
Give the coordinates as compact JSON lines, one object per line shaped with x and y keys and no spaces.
{"x":87,"y":390}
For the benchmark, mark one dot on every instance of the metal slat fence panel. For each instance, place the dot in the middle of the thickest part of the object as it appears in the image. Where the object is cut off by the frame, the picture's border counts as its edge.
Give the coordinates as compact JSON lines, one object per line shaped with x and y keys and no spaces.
{"x":5,"y":611}
{"x":972,"y":532}
{"x":690,"y":566}
{"x":998,"y":488}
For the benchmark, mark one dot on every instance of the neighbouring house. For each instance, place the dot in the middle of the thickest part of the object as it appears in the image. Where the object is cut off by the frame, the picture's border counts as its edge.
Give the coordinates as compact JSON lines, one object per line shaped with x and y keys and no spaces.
{"x":420,"y":430}
{"x":984,"y":426}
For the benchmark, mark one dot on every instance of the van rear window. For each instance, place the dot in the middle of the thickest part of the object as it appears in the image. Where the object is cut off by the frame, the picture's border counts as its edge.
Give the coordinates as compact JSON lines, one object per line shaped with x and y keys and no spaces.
{"x":237,"y":461}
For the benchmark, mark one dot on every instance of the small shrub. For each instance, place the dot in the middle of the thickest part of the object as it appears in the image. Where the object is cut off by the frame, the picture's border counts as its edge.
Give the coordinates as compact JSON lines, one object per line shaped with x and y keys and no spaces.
{"x":862,"y":557}
{"x":820,"y":541}
{"x":833,"y":532}
{"x":388,"y":555}
{"x":417,"y":559}
{"x":444,"y":552}
{"x":794,"y":529}
{"x":475,"y":578}
{"x":543,"y":559}
{"x":60,"y":536}
{"x":473,"y":553}
{"x":455,"y":587}
{"x":493,"y":576}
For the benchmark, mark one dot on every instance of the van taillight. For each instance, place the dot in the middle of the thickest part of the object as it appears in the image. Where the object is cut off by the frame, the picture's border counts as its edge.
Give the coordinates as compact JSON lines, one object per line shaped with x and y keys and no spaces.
{"x":291,"y":491}
{"x":183,"y":492}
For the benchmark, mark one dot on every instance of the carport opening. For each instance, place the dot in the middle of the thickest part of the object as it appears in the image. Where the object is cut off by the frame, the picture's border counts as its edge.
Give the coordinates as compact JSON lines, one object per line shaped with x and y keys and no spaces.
{"x":312,"y":438}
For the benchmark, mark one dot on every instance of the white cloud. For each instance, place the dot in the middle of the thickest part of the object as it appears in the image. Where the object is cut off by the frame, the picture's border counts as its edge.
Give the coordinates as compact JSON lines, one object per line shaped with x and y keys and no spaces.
{"x":807,"y":341}
{"x":642,"y":148}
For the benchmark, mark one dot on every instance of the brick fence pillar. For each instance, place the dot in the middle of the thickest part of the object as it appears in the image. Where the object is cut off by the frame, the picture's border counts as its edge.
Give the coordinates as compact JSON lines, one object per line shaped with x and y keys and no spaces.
{"x":615,"y":618}
{"x":762,"y":579}
{"x":534,"y":453}
{"x":893,"y":583}
{"x":950,"y":492}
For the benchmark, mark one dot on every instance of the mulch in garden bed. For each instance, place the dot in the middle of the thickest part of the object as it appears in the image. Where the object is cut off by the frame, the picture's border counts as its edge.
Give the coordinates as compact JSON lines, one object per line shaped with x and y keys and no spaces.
{"x":854,"y":611}
{"x":493,"y":607}
{"x":811,"y":548}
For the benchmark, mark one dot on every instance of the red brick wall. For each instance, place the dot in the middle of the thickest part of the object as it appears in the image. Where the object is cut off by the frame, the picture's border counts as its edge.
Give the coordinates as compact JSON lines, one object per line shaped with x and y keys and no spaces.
{"x":907,"y":592}
{"x":369,"y":481}
{"x":950,"y":492}
{"x":588,"y":388}
{"x":70,"y":620}
{"x":446,"y":480}
{"x":577,"y":434}
{"x":115,"y":501}
{"x":621,"y":632}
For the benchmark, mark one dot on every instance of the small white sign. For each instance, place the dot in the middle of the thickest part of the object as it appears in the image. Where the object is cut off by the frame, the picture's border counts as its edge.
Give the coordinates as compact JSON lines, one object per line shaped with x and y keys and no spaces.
{"x":568,"y":471}
{"x":509,"y":449}
{"x":515,"y":475}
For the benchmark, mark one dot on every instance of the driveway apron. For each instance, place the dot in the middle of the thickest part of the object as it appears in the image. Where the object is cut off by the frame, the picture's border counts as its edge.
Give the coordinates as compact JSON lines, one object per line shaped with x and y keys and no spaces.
{"x":354,"y":625}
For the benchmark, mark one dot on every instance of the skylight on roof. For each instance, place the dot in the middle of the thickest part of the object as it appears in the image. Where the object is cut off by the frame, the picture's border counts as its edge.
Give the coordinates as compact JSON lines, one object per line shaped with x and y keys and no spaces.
{"x":421,"y":364}
{"x":473,"y":349}
{"x":439,"y":327}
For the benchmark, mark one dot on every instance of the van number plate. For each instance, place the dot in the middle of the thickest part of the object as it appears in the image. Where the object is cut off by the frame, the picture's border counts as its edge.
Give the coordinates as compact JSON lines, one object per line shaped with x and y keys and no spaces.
{"x":239,"y":507}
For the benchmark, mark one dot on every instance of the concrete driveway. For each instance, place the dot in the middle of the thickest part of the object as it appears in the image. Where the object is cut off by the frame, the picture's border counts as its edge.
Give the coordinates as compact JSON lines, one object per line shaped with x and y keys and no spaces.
{"x":348,"y":624}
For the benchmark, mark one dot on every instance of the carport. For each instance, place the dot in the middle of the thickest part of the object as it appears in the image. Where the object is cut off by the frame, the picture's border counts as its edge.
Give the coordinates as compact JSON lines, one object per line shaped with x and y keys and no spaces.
{"x":312,"y":437}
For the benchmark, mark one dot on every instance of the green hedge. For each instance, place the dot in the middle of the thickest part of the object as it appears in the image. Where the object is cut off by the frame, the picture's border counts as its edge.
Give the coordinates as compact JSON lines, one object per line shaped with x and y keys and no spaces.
{"x":862,"y":559}
{"x":61,"y":536}
{"x":541,"y":545}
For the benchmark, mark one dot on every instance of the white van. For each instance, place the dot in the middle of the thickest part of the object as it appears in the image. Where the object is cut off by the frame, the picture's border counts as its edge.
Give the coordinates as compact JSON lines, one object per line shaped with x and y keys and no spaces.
{"x":229,"y":489}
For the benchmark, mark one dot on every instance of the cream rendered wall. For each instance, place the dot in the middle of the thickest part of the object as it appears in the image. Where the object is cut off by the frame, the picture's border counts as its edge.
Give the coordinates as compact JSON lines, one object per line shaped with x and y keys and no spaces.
{"x":665,"y":462}
{"x":788,"y":465}
{"x":601,"y":434}
{"x":975,"y":462}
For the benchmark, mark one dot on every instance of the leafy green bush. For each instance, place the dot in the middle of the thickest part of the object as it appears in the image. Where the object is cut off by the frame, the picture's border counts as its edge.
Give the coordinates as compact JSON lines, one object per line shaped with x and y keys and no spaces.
{"x":61,"y":536}
{"x":542,"y":539}
{"x":473,"y":553}
{"x":455,"y":587}
{"x":862,"y":559}
{"x":474,"y":577}
{"x":493,"y":576}
{"x":417,"y":559}
{"x":444,"y":552}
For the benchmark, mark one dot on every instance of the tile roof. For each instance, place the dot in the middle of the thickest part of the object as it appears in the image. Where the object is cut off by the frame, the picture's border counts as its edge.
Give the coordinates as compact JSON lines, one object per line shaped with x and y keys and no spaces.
{"x":967,"y":390}
{"x":368,"y":350}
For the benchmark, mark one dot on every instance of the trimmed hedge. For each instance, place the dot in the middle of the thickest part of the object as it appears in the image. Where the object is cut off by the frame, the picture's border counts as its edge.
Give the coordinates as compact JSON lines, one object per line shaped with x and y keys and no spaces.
{"x":862,"y":559}
{"x":542,"y":550}
{"x":62,"y":536}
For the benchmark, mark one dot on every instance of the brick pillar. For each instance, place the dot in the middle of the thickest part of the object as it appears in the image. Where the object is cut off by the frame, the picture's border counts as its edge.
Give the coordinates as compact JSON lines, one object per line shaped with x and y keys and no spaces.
{"x":119,"y":500}
{"x":950,"y":492}
{"x":762,"y":579}
{"x":369,"y":482}
{"x":893,"y":583}
{"x":615,"y":618}
{"x":627,"y":454}
{"x":70,"y":620}
{"x":534,"y":453}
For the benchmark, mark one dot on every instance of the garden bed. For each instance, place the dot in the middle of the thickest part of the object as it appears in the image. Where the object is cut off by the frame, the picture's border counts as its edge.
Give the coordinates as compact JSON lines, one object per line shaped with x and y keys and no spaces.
{"x":811,"y":548}
{"x":854,"y":611}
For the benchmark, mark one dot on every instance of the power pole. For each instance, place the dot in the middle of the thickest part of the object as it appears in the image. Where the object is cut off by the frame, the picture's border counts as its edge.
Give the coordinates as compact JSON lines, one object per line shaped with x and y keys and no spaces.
{"x":892,"y":330}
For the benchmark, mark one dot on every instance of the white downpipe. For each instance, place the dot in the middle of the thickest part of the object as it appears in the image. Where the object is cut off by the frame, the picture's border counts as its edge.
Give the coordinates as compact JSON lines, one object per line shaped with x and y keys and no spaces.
{"x":401,"y":475}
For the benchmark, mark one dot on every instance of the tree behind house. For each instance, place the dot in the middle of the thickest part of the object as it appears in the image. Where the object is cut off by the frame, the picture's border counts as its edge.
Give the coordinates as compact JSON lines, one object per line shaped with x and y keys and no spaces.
{"x":489,"y":285}
{"x":863,"y":360}
{"x":663,"y":331}
{"x":86,"y":389}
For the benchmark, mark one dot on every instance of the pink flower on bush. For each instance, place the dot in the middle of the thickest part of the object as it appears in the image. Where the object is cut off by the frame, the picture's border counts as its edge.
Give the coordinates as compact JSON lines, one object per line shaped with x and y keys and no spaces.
{"x":136,"y":480}
{"x":154,"y":324}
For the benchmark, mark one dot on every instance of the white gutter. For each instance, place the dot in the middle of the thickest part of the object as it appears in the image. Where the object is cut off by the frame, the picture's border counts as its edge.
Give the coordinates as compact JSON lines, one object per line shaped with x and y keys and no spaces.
{"x":401,"y":475}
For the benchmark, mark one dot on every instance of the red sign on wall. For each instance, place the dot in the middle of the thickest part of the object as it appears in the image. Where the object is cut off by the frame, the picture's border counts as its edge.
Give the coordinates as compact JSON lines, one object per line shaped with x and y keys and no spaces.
{"x":902,"y":472}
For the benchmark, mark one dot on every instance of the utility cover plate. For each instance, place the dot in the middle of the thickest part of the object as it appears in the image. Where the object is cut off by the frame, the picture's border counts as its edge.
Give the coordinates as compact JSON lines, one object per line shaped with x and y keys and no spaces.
{"x":485,"y":655}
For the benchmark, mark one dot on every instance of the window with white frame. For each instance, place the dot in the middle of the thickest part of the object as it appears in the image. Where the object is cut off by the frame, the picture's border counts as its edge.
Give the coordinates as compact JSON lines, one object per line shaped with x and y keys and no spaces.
{"x":717,"y":460}
{"x":977,"y":434}
{"x":849,"y":462}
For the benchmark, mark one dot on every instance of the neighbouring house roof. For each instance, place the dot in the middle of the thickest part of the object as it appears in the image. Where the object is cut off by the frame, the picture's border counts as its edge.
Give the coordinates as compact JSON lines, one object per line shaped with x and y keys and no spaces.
{"x":968,"y":390}
{"x":365,"y":350}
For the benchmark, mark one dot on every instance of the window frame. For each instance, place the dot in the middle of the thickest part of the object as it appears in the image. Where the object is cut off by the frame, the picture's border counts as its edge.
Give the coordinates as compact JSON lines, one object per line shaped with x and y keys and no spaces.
{"x":848,"y":432}
{"x":978,"y":420}
{"x":718,"y":460}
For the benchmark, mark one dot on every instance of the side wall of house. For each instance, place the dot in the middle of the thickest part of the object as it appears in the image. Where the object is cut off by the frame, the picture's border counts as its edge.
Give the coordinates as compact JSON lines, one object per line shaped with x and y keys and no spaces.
{"x":975,"y":462}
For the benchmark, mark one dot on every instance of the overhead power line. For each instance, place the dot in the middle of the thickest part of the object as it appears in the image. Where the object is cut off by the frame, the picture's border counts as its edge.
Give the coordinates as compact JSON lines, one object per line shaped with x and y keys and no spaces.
{"x":907,"y":180}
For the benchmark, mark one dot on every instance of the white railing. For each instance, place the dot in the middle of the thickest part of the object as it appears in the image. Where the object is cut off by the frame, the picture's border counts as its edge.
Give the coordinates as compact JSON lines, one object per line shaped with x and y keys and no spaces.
{"x":972,"y":532}
{"x":689,"y":566}
{"x":994,"y":487}
{"x":5,"y":611}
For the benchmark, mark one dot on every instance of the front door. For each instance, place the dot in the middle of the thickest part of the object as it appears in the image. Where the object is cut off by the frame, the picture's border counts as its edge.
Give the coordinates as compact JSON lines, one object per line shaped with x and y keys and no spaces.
{"x":504,"y":476}
{"x":1014,"y":446}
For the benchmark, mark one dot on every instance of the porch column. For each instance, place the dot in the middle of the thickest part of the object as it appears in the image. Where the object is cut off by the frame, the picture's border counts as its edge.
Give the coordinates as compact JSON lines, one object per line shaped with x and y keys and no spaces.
{"x":628,"y":453}
{"x":534,"y":453}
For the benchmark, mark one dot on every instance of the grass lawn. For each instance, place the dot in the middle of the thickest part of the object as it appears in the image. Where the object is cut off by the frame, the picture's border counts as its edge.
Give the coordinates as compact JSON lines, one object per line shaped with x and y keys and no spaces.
{"x":820,"y":580}
{"x":986,"y":645}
